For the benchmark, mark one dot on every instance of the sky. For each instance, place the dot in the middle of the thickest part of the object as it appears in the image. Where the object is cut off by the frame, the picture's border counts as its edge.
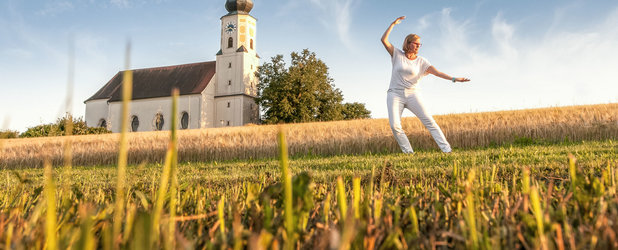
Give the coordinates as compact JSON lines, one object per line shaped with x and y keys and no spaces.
{"x":518,"y":54}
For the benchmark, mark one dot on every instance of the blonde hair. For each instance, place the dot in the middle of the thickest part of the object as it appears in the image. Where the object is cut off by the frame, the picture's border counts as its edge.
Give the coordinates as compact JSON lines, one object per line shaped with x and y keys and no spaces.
{"x":409,"y":38}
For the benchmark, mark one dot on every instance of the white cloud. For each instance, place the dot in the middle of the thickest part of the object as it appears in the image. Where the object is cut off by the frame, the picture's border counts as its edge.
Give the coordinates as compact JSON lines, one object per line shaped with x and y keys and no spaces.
{"x":120,"y":3}
{"x":340,"y":13}
{"x":91,"y":46}
{"x":514,"y":69}
{"x":423,"y":23}
{"x":502,"y":33}
{"x":336,"y":16}
{"x":55,"y":8}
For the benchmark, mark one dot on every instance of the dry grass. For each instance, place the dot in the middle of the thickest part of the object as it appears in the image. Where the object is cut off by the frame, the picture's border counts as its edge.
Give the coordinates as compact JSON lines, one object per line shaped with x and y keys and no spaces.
{"x":590,"y":122}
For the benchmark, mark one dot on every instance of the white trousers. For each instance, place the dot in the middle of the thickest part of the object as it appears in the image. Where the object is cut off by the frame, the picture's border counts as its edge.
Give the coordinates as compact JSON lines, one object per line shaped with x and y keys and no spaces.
{"x":396,"y":101}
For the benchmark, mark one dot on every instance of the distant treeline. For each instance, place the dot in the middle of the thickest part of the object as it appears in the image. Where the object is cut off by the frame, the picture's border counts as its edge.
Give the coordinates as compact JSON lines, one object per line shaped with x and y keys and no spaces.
{"x":59,"y":128}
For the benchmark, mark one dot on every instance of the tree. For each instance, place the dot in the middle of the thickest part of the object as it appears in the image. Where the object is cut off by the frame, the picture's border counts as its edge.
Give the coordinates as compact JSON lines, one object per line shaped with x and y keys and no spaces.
{"x":355,"y":110}
{"x":304,"y":92}
{"x":58,"y":128}
{"x":8,"y":134}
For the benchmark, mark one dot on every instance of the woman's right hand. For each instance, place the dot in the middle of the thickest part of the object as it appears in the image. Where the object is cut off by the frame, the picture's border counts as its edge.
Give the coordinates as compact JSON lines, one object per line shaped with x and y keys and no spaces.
{"x":398,"y":20}
{"x":389,"y":47}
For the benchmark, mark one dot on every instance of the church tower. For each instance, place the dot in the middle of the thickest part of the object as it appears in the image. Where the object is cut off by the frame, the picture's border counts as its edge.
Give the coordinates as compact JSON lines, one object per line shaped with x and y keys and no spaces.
{"x":237,"y":62}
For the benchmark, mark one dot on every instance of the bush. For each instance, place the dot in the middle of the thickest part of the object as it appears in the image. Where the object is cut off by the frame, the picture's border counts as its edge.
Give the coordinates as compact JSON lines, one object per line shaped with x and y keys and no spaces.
{"x":59,"y":128}
{"x":8,"y":134}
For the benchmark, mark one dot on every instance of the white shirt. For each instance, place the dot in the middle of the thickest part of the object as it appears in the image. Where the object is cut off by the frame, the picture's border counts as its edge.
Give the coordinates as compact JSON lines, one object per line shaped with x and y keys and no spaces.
{"x":407,"y":73}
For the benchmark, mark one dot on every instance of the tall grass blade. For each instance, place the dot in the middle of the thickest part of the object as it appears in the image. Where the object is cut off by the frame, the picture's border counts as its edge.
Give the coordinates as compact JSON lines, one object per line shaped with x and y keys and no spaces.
{"x":493,"y":178}
{"x":160,"y":198}
{"x":414,"y":220}
{"x":371,"y":181}
{"x":171,"y":232}
{"x":326,"y":208}
{"x":525,"y":188}
{"x":127,"y":87}
{"x":9,"y":236}
{"x":341,"y":200}
{"x":86,"y":241}
{"x":51,"y":241}
{"x":525,"y":183}
{"x":455,"y":172}
{"x":357,"y":196}
{"x":470,"y":212}
{"x":286,"y":179}
{"x":538,"y":215}
{"x":68,"y":153}
{"x":221,"y":216}
{"x":572,"y":172}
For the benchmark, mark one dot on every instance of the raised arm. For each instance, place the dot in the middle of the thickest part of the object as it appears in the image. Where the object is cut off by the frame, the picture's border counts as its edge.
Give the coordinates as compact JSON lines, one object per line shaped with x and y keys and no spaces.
{"x":389,"y":47}
{"x":432,"y":70}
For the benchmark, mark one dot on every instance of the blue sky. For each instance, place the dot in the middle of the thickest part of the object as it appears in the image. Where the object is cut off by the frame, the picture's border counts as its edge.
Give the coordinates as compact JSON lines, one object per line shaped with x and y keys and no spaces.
{"x":519,"y":54}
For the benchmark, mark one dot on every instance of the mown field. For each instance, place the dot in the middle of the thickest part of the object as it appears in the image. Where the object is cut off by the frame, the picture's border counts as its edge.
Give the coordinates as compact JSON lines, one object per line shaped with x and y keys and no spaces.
{"x":522,"y":195}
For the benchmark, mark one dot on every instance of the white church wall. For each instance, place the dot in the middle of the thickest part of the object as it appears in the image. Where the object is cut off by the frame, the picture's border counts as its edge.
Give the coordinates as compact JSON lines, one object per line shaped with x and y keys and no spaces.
{"x":207,"y":112}
{"x":192,"y":105}
{"x":227,"y":111}
{"x":96,"y":110}
{"x":227,"y":69}
{"x":236,"y":74}
{"x":147,"y":109}
{"x":237,"y":82}
{"x":250,"y":64}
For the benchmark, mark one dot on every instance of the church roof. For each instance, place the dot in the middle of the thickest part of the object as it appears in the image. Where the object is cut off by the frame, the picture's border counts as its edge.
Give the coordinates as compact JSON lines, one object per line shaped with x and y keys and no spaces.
{"x":159,"y":82}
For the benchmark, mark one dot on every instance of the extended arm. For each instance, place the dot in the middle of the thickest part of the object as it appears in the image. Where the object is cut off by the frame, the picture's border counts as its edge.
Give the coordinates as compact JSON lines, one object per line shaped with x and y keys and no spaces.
{"x":432,"y":70}
{"x":389,"y":47}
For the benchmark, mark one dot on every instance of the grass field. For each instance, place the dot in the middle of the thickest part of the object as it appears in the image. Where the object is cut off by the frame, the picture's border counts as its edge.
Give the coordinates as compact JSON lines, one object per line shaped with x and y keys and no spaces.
{"x":576,"y":123}
{"x":520,"y":179}
{"x":523,"y":195}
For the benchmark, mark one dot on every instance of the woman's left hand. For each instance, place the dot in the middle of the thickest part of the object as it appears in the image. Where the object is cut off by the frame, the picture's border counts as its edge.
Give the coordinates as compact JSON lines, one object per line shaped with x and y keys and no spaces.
{"x":461,"y":79}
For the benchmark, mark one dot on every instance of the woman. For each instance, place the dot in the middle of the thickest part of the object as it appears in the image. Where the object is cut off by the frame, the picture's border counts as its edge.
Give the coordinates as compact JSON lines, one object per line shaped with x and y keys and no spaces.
{"x":408,"y":69}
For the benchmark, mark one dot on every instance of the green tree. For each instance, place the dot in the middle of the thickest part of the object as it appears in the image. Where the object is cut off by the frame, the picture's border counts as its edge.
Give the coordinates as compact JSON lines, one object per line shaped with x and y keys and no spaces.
{"x":304,"y":92}
{"x":355,"y":110}
{"x":58,"y":128}
{"x":8,"y":134}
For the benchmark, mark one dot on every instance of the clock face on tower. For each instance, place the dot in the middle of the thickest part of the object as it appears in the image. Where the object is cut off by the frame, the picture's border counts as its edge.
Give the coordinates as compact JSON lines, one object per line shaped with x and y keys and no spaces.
{"x":230,"y":27}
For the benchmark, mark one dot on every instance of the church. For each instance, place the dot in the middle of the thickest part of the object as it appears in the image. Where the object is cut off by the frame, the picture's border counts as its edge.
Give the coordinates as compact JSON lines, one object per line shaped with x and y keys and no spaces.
{"x":217,"y":93}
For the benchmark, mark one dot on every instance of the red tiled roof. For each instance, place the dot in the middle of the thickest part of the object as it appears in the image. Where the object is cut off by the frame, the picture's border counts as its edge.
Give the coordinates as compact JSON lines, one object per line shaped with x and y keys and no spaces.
{"x":159,"y":82}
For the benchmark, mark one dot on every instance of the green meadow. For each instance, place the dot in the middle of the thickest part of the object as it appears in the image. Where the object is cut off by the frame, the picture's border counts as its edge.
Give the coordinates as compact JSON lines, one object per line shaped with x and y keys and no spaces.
{"x":523,"y":195}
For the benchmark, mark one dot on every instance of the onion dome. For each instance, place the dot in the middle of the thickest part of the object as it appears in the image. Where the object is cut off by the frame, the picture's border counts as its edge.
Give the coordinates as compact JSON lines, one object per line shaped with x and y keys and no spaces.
{"x":239,"y":6}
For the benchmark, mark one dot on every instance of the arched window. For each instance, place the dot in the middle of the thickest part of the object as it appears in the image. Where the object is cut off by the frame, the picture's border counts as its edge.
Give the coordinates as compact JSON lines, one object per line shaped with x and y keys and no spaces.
{"x":134,"y":123}
{"x":158,"y":121}
{"x":102,"y":123}
{"x":251,"y":44}
{"x":230,"y":42}
{"x":184,"y":120}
